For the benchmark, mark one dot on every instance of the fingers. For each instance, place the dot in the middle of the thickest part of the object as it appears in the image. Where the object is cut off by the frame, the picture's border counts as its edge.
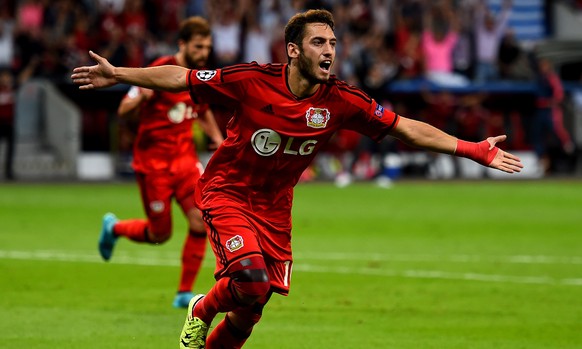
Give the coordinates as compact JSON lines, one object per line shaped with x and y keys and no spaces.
{"x":508,"y":162}
{"x":507,"y":169}
{"x":95,"y":56}
{"x":512,"y":157}
{"x":78,"y":74}
{"x":81,"y":77}
{"x":82,"y":72}
{"x":81,"y":69}
{"x":90,"y":77}
{"x":82,"y":81}
{"x":510,"y":167}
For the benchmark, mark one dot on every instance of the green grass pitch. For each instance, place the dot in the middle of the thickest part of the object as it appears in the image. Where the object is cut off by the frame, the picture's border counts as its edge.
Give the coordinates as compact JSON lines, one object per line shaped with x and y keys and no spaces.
{"x":428,"y":264}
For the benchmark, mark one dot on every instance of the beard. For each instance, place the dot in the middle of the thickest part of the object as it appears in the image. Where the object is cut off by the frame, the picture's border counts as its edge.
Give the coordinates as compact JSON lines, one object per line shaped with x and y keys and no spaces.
{"x":194,"y":64}
{"x":307,"y":69}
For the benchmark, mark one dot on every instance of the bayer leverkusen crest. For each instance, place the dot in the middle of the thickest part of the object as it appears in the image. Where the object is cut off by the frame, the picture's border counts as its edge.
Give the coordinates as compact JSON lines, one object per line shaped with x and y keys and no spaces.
{"x":317,"y":117}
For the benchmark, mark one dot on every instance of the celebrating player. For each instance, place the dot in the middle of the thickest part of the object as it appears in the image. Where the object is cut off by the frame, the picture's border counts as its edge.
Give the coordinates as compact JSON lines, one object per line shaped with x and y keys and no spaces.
{"x":283,"y":115}
{"x":165,"y":160}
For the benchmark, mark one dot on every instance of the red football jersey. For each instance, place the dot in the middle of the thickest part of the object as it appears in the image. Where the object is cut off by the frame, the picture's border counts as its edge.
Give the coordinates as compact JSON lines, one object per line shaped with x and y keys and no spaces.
{"x":164,"y":139}
{"x":273,"y":136}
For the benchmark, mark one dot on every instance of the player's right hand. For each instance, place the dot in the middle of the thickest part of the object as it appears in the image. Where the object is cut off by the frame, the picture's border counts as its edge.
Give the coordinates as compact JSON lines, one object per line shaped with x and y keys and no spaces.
{"x":96,"y":76}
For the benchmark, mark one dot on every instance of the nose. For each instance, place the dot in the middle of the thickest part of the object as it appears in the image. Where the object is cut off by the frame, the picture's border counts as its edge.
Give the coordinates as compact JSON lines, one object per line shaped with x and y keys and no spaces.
{"x":328,"y":49}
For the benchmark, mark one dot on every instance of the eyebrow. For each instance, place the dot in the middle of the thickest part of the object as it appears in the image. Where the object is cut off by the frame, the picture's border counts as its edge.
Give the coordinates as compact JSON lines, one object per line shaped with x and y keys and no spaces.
{"x":323,"y":38}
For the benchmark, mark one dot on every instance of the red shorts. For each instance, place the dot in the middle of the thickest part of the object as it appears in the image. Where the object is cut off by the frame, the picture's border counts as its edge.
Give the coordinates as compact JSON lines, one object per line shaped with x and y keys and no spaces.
{"x":157,"y":190}
{"x":236,"y":233}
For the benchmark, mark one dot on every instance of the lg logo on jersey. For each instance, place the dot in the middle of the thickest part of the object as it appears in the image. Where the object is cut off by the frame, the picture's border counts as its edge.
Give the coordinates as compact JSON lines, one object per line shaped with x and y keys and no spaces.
{"x":266,"y":142}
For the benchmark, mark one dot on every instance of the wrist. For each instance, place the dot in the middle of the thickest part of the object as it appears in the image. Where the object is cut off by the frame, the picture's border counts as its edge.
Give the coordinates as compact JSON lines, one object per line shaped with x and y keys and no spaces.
{"x":480,"y":152}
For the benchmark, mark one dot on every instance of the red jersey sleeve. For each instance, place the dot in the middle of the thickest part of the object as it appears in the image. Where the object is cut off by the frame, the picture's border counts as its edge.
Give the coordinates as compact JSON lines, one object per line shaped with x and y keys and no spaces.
{"x":370,"y":118}
{"x":215,"y":87}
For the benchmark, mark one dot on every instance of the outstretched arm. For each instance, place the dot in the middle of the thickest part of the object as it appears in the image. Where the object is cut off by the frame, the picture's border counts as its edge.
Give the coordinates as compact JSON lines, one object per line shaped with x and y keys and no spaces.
{"x":167,"y":78}
{"x":424,"y":136}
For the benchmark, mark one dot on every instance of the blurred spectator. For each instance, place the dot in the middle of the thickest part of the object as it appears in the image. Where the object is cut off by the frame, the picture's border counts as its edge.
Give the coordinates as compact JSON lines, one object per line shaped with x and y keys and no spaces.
{"x":381,"y":72}
{"x":133,"y":20}
{"x":382,"y":15}
{"x":512,"y":60}
{"x":31,"y":16}
{"x":28,"y":39}
{"x":59,"y":21}
{"x":115,"y":6}
{"x":168,"y":15}
{"x":6,"y":38}
{"x":225,"y":18}
{"x":441,"y":106}
{"x":257,"y":45}
{"x":548,"y":119}
{"x":133,"y":23}
{"x":107,"y":22}
{"x":439,"y":38}
{"x":7,"y":98}
{"x":407,"y":39}
{"x":463,"y":54}
{"x":471,"y":117}
{"x":359,"y":17}
{"x":114,"y":49}
{"x":488,"y":33}
{"x":196,"y":8}
{"x":374,"y":51}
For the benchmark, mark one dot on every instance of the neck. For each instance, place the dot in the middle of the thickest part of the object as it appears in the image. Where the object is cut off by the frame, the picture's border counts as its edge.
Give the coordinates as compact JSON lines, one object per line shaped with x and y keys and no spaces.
{"x":179,"y":56}
{"x":299,"y":85}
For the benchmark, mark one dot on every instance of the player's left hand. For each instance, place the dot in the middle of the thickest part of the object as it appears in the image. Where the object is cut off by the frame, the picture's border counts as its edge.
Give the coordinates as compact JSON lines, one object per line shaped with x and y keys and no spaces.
{"x":97,"y":76}
{"x":503,"y":160}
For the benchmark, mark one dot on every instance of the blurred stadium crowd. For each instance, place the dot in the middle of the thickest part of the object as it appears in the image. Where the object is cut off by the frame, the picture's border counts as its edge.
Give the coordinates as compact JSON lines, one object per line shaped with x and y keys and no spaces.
{"x":450,"y":43}
{"x":380,"y":40}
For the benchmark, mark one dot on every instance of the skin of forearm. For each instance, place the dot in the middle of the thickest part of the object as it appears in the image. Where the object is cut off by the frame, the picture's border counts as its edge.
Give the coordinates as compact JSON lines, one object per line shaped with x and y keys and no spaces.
{"x":424,"y":136}
{"x":165,"y":78}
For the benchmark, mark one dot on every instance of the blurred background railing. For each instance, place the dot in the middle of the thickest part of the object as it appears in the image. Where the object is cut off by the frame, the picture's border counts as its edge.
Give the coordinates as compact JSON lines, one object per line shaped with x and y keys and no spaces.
{"x":488,"y":81}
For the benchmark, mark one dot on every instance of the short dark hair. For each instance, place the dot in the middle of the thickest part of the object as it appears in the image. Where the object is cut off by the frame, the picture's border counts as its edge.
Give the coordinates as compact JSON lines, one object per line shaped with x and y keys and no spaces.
{"x":192,"y":26}
{"x":295,"y":28}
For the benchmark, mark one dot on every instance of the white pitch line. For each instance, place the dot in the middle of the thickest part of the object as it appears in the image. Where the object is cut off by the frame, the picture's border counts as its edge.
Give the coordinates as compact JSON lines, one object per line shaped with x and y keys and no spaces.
{"x":303,"y":267}
{"x":437,"y":274}
{"x":60,"y":256}
{"x":518,"y":259}
{"x":168,"y":258}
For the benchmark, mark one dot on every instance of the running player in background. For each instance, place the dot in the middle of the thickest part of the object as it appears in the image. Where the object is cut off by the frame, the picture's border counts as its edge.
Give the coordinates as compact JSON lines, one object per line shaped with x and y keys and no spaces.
{"x":283,"y":115}
{"x":165,"y":160}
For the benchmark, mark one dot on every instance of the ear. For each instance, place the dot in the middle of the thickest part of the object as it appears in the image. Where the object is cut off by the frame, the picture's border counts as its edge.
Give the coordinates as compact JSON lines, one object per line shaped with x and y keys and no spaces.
{"x":292,"y":50}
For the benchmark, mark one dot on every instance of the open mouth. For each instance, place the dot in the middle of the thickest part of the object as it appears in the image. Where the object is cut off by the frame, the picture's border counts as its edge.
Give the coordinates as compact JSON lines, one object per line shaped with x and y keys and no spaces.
{"x":325,"y":65}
